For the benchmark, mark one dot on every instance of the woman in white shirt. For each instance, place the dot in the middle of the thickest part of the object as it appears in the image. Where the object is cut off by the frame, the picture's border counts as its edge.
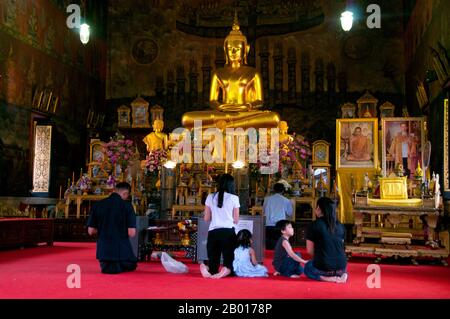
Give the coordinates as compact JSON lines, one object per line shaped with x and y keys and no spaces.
{"x":222,"y":209}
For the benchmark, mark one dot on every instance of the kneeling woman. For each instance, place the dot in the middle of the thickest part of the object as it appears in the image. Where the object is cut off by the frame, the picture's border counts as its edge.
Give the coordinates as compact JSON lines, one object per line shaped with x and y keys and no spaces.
{"x":325,"y":243}
{"x":222,"y":209}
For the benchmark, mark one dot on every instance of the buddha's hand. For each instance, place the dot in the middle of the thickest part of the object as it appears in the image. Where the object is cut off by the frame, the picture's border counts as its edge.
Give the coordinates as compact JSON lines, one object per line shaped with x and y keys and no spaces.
{"x":231,"y":107}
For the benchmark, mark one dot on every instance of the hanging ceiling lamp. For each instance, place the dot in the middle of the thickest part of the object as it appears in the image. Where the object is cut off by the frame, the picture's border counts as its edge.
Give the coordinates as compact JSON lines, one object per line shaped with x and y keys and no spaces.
{"x":84,"y":33}
{"x":346,"y":20}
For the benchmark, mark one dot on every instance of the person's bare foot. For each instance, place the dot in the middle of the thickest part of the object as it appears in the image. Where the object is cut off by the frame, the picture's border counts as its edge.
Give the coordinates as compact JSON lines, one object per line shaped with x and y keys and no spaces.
{"x":204,"y":270}
{"x":222,"y":273}
{"x":276,"y":273}
{"x":295,"y":276}
{"x":342,"y":279}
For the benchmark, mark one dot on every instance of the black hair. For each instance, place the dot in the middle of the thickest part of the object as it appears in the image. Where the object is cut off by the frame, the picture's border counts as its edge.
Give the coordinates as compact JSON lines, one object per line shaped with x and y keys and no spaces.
{"x":328,"y":209}
{"x":282,"y":224}
{"x":243,"y":238}
{"x":278,"y":188}
{"x":123,"y":186}
{"x":226,"y":184}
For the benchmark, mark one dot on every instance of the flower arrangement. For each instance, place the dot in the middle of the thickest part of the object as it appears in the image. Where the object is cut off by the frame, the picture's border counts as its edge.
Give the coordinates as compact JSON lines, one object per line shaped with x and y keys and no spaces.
{"x":119,"y":150}
{"x":84,"y":183}
{"x":290,"y":151}
{"x":154,"y":161}
{"x":111,"y":182}
{"x":186,"y":226}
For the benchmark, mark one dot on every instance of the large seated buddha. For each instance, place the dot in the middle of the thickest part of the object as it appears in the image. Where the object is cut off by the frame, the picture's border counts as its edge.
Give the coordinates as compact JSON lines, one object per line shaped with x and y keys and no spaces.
{"x":241,"y":90}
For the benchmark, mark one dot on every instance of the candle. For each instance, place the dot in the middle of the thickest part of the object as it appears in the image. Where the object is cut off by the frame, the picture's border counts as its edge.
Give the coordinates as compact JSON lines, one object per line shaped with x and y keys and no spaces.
{"x":73,"y":177}
{"x":60,"y":191}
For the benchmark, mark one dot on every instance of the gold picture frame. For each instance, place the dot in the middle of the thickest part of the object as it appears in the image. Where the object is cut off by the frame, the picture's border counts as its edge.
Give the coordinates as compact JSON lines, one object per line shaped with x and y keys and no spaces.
{"x":140,"y":113}
{"x":96,"y":153}
{"x":357,"y":143}
{"x":367,"y":106}
{"x":123,"y":116}
{"x":403,"y":139}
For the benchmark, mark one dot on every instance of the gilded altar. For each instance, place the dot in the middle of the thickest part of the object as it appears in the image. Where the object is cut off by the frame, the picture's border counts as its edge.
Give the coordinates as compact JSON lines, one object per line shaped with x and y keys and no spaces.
{"x":397,"y":226}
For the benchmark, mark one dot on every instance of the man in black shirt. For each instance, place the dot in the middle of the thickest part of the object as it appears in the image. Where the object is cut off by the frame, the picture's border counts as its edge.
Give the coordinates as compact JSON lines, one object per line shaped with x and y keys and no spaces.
{"x":114,"y":220}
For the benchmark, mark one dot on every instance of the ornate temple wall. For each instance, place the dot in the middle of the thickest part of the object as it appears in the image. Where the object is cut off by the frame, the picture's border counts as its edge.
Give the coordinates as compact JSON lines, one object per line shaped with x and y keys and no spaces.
{"x":308,"y":64}
{"x":37,"y":52}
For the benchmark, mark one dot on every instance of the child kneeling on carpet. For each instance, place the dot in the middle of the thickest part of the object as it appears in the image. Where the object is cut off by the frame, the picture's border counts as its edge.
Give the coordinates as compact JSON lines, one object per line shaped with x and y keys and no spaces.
{"x":285,"y":261}
{"x":245,"y":264}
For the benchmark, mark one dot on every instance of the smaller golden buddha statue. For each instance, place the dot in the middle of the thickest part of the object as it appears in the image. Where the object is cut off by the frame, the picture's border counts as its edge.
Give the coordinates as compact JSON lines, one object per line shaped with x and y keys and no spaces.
{"x":418,"y":174}
{"x":284,"y":137}
{"x":157,"y":140}
{"x":399,"y":171}
{"x":297,"y":171}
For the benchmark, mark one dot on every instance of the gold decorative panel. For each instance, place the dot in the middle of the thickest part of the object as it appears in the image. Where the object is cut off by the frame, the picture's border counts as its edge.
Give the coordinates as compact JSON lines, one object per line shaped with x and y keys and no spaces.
{"x":41,"y":163}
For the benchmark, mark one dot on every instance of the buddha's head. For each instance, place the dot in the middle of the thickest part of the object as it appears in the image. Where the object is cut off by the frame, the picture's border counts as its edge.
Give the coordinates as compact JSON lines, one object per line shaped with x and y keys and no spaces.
{"x":221,"y":125}
{"x":158,"y":125}
{"x":283,"y":127}
{"x":235,"y":45}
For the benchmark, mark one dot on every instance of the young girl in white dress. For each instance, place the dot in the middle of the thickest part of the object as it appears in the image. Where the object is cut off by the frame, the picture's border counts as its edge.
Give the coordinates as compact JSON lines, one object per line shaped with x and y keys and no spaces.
{"x":245,"y":264}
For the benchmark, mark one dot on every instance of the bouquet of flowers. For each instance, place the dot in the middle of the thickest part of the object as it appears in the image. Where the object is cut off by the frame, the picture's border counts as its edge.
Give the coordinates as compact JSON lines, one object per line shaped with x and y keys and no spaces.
{"x":155,"y":159}
{"x":297,"y":149}
{"x":111,"y":182}
{"x":119,"y":150}
{"x":84,"y":183}
{"x":186,"y":226}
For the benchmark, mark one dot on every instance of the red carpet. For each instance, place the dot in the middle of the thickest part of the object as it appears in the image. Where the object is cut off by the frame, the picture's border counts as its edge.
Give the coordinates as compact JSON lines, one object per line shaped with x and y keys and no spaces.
{"x":40,"y":272}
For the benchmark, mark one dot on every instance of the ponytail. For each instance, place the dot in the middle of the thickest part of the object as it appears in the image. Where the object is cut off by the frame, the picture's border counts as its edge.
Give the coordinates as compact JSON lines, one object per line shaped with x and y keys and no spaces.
{"x":226,"y":184}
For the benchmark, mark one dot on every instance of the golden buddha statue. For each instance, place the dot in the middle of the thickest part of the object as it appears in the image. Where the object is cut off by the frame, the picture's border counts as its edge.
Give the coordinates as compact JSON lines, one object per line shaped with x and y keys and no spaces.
{"x":297,"y":171}
{"x":241,"y":91}
{"x":156,"y":140}
{"x":284,"y":137}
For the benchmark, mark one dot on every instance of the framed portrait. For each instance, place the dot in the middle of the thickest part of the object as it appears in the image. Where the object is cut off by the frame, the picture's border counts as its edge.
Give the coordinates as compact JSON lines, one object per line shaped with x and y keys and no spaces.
{"x":96,"y":151}
{"x":387,"y":109}
{"x":357,"y":143}
{"x":367,"y":106}
{"x":140,"y":113}
{"x":123,"y":116}
{"x":348,"y":111}
{"x":403,"y":140}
